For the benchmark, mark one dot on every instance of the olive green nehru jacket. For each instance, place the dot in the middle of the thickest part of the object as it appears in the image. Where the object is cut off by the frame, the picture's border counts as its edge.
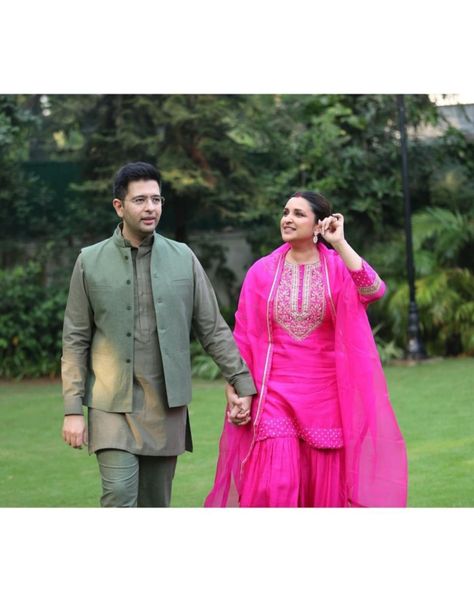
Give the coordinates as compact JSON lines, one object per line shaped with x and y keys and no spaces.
{"x":98,"y":347}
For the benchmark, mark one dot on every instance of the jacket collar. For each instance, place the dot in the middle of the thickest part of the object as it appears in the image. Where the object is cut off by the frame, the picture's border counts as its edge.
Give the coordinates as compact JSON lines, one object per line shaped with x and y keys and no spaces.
{"x":123,"y":243}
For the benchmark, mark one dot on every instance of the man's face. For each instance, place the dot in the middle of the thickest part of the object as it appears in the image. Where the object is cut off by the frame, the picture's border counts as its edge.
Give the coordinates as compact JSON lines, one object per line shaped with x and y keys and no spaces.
{"x":140,"y":210}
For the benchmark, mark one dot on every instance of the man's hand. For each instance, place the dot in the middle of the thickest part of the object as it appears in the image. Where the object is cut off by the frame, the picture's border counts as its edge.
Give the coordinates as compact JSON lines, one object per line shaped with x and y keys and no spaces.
{"x":75,"y":430}
{"x":238,"y":407}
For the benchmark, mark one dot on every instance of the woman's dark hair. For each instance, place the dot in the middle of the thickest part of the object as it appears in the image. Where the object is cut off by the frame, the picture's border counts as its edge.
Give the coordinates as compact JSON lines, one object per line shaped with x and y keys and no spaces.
{"x":319,"y":204}
{"x":320,"y":207}
{"x":133,"y":171}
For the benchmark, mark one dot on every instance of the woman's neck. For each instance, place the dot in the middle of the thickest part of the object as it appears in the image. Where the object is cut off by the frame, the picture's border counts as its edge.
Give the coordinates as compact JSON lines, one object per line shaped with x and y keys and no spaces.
{"x":303,"y":253}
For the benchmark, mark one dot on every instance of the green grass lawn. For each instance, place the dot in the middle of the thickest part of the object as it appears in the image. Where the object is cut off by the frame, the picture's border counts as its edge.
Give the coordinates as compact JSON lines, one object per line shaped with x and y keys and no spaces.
{"x":434,"y":403}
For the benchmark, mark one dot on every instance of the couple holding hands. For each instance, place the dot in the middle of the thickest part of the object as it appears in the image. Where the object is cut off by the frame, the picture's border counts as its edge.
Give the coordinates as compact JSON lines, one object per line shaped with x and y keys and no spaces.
{"x":308,"y":423}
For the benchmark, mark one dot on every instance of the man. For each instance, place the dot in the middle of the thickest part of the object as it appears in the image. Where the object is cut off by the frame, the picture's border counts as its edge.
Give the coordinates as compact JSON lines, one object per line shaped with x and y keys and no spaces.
{"x":132,"y":302}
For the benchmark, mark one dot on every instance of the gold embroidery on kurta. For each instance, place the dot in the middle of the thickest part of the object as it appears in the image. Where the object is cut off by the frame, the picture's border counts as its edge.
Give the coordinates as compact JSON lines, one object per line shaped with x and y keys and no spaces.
{"x":300,"y":321}
{"x":374,"y":287}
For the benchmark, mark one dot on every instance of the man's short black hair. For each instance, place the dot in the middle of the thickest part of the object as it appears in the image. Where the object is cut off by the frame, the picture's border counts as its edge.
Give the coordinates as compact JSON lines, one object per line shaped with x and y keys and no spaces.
{"x":134,"y":171}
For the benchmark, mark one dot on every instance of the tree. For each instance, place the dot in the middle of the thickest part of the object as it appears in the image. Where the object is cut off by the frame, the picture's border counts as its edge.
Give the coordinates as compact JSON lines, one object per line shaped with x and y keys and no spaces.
{"x":23,"y":203}
{"x":233,"y":160}
{"x":343,"y":145}
{"x":188,"y":137}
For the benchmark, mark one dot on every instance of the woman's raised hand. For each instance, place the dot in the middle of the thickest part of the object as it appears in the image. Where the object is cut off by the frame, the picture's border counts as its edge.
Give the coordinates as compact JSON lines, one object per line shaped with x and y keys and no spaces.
{"x":332,"y":228}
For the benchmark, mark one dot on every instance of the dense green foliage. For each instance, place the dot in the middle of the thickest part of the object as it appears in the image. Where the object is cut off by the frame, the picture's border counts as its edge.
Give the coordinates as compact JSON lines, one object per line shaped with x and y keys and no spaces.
{"x":231,"y":161}
{"x":443,"y":241}
{"x":31,"y":318}
{"x":24,"y":204}
{"x":206,"y":171}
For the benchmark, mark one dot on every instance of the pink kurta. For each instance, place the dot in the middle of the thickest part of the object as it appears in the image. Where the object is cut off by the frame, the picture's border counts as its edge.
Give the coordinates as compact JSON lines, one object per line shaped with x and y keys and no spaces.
{"x":297,"y":460}
{"x":323,"y":432}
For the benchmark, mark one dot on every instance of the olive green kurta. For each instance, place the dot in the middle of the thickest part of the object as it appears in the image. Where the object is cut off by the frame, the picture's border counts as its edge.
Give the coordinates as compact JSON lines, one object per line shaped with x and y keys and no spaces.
{"x":152,"y":428}
{"x":99,"y":323}
{"x":100,"y":341}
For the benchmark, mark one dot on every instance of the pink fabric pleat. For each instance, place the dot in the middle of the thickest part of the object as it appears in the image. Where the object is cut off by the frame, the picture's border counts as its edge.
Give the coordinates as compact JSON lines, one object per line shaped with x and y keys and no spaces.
{"x":289,"y":473}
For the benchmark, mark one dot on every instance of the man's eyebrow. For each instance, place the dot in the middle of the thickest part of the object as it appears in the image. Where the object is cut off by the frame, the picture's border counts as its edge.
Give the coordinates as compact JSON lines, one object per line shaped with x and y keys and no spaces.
{"x":143,"y":195}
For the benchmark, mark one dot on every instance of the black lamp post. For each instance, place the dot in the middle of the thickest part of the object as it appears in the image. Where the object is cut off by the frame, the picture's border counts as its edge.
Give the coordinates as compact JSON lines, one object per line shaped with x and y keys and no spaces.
{"x":415,"y":349}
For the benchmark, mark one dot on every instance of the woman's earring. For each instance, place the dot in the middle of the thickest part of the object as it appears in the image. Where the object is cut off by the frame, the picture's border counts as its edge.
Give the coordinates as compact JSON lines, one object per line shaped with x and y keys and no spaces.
{"x":315,"y":237}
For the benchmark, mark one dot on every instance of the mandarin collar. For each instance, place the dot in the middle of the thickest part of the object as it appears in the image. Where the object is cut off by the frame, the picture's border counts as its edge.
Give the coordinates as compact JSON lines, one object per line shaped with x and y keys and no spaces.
{"x":122,"y":242}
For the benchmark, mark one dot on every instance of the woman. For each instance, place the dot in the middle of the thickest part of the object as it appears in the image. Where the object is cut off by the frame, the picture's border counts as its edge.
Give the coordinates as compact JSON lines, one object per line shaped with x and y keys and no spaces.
{"x":321,"y":431}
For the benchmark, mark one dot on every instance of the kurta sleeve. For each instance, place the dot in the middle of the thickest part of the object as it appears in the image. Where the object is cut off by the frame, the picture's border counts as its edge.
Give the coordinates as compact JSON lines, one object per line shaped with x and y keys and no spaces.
{"x":215,"y":336}
{"x":77,"y":332}
{"x":369,"y":285}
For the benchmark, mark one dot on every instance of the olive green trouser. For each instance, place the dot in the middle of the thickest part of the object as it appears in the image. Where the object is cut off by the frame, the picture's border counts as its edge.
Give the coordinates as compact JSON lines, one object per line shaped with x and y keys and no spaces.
{"x":130,"y":480}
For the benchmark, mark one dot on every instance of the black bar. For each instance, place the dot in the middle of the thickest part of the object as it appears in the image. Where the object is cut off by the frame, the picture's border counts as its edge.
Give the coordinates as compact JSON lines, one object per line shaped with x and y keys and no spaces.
{"x":415,"y":349}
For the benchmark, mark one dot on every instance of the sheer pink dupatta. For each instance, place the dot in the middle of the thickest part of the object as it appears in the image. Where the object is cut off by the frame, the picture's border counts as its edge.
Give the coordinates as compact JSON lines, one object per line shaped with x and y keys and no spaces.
{"x":235,"y":442}
{"x":376,"y":461}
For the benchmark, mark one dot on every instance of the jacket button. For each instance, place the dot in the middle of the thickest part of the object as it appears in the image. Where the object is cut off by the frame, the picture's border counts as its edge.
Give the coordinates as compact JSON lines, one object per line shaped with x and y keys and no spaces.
{"x":129,"y":334}
{"x":128,"y":361}
{"x":129,"y":282}
{"x":129,"y":307}
{"x":126,"y":257}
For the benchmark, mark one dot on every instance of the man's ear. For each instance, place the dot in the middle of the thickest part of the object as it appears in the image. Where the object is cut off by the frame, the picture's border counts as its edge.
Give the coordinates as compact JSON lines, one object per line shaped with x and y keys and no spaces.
{"x":118,"y":207}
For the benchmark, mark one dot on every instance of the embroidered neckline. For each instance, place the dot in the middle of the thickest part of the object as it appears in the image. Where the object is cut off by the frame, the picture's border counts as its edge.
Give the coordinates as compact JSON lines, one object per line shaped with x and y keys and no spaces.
{"x":300,"y":302}
{"x":313,"y":264}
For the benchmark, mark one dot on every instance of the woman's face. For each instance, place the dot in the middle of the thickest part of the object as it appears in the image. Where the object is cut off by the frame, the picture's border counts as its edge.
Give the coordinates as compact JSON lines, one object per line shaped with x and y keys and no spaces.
{"x":298,"y":222}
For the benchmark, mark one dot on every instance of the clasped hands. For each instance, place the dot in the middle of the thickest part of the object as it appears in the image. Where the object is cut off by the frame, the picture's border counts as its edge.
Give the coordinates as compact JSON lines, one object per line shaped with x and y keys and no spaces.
{"x":238,"y":408}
